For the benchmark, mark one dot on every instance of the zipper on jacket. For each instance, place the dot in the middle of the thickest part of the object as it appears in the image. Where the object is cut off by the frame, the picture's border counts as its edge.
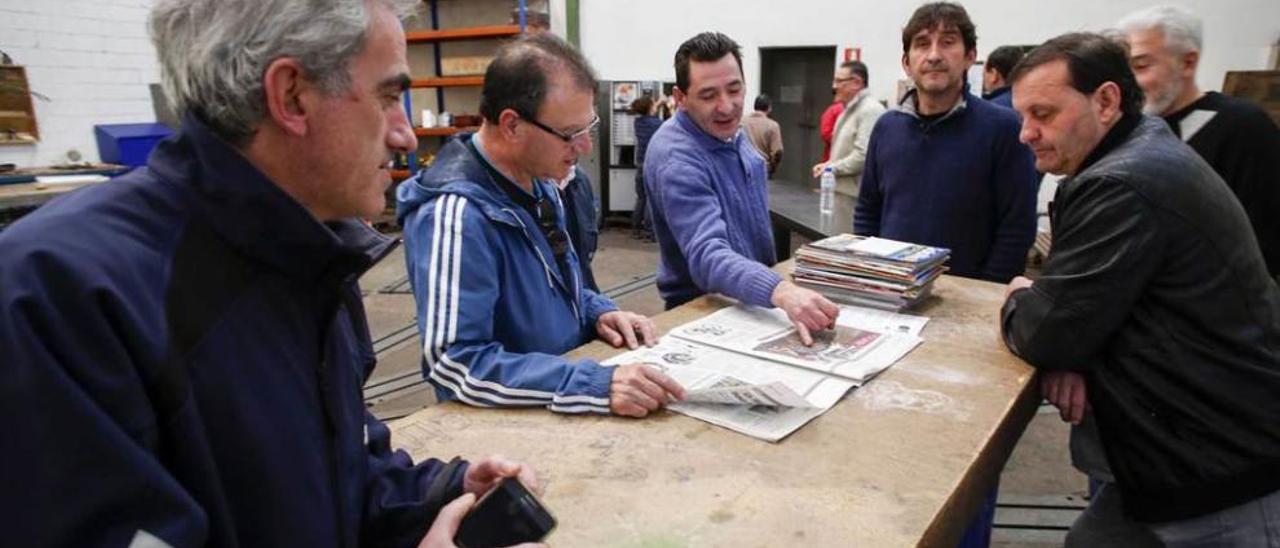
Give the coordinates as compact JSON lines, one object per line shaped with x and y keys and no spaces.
{"x":326,"y":384}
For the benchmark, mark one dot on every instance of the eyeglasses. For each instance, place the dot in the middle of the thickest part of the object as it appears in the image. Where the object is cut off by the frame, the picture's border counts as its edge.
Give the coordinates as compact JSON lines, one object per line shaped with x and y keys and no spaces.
{"x":566,"y":137}
{"x":843,"y":80}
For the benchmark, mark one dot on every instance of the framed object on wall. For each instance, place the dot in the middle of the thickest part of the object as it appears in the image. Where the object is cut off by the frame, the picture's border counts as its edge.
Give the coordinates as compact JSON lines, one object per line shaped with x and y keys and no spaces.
{"x":624,"y":93}
{"x":17,"y":111}
{"x":1259,"y":86}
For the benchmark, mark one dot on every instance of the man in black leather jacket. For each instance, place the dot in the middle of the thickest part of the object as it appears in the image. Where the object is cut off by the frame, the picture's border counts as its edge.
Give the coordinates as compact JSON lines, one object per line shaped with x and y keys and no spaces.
{"x":1155,"y":312}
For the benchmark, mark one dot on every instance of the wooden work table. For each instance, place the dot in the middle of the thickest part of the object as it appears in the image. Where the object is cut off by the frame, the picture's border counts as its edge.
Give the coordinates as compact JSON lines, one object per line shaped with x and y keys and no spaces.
{"x":33,"y":194}
{"x":794,"y":207}
{"x":905,"y":460}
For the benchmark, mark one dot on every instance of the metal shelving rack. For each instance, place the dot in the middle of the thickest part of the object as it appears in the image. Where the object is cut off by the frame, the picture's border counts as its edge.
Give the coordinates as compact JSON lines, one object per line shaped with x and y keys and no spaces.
{"x":435,"y":36}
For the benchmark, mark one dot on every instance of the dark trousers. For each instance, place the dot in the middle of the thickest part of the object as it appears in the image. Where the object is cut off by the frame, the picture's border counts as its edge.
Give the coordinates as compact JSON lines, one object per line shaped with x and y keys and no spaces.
{"x":640,"y":215}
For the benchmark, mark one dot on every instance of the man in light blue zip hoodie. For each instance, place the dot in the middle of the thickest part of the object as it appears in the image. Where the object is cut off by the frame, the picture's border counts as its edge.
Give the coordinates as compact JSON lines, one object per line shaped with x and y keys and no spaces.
{"x":496,"y":279}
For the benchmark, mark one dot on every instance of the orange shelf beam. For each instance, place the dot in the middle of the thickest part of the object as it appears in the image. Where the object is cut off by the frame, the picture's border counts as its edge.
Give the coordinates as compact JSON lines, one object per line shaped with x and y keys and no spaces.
{"x":440,"y":131}
{"x":399,"y":174}
{"x":447,"y":82}
{"x":467,"y":33}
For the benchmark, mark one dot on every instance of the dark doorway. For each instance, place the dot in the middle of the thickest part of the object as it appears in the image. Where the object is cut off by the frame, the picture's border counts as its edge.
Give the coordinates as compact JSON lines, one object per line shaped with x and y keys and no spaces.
{"x":799,"y":82}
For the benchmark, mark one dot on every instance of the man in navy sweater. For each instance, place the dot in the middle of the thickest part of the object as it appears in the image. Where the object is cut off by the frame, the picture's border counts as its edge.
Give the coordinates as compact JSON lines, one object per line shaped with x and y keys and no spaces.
{"x":709,"y":196}
{"x":946,"y":168}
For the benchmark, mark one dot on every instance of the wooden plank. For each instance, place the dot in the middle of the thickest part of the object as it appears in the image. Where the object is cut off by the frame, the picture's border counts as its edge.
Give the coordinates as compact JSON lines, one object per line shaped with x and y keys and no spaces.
{"x":465,"y":33}
{"x":441,"y":131}
{"x":24,"y":195}
{"x":447,"y":82}
{"x":15,"y":101}
{"x":1259,"y":86}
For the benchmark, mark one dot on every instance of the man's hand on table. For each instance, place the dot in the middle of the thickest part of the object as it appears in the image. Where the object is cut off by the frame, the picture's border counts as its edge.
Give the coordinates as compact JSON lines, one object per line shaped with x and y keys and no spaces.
{"x":639,"y":389}
{"x":1016,"y":284}
{"x":808,"y":310}
{"x":1066,"y":391}
{"x":619,"y":328}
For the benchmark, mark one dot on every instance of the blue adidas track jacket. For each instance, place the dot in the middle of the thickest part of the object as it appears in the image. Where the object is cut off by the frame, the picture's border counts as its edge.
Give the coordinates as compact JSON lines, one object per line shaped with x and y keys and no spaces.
{"x":494,"y":309}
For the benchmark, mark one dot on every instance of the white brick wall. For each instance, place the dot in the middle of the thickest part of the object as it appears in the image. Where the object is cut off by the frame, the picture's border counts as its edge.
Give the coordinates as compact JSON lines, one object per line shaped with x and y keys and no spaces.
{"x":91,"y":58}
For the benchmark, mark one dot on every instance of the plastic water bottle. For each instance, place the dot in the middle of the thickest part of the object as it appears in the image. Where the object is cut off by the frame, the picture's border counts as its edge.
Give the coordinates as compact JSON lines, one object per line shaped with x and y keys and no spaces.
{"x":827,"y":203}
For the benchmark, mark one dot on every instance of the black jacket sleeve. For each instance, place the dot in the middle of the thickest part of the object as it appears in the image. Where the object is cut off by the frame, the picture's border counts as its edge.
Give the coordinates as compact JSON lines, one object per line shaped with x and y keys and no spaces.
{"x":1107,"y":245}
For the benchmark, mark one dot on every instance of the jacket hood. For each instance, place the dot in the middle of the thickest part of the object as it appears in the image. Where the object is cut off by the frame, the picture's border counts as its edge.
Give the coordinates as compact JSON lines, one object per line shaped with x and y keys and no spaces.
{"x":455,"y":171}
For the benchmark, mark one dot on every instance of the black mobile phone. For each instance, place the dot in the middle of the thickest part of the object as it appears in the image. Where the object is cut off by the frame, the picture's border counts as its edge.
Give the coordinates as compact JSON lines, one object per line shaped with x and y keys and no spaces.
{"x":506,"y":515}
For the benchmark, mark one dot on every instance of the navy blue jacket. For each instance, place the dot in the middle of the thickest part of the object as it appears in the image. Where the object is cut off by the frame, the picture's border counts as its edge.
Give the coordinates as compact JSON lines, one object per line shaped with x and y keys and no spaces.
{"x":645,"y":127}
{"x":580,"y":220}
{"x":962,"y":182}
{"x":183,"y":354}
{"x":1001,"y":96}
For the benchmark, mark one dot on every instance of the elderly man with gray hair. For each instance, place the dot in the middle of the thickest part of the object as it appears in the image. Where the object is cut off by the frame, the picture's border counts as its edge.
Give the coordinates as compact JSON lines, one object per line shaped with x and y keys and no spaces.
{"x":185,"y":346}
{"x":1234,"y":136}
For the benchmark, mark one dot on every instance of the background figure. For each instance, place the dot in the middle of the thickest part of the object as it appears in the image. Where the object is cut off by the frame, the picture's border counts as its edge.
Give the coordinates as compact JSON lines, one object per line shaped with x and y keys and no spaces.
{"x":1234,"y":136}
{"x":995,"y":74}
{"x":646,"y":123}
{"x":853,"y":127}
{"x":764,"y":133}
{"x":581,"y":221}
{"x":827,"y":125}
{"x":666,"y":108}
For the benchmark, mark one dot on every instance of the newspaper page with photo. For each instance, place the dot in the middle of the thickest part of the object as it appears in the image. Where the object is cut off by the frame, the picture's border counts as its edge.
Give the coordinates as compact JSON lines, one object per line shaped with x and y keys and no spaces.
{"x":861,"y":345}
{"x":756,"y":397}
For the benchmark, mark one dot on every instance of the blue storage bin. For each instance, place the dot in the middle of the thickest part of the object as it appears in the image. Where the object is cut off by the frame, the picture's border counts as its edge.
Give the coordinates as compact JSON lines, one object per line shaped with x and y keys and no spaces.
{"x":128,"y":144}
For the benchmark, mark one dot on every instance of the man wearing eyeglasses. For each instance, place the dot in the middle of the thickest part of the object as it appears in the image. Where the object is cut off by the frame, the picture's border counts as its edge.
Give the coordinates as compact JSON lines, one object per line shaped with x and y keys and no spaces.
{"x":853,"y":126}
{"x":709,"y":195}
{"x":496,"y":278}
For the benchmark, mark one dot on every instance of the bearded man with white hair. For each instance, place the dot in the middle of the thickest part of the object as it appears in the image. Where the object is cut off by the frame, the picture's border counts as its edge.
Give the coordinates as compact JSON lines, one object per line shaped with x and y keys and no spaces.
{"x":1234,"y":136}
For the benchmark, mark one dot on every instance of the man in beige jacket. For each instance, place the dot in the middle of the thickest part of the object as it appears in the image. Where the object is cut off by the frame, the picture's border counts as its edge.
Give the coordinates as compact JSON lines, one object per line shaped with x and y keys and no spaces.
{"x":853,"y":127}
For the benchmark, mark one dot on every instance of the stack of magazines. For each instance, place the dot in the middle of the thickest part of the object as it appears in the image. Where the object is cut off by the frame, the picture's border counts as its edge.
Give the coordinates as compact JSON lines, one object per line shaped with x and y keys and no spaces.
{"x":872,"y":272}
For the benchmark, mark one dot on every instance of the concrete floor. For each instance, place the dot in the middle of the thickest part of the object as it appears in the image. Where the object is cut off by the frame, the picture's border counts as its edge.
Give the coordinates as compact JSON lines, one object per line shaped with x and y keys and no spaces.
{"x":1040,"y":494}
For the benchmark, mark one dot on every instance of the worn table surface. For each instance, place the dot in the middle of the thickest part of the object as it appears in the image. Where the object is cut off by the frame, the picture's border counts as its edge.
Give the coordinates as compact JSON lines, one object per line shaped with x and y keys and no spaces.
{"x":794,"y":207}
{"x":33,"y":194}
{"x":905,"y":460}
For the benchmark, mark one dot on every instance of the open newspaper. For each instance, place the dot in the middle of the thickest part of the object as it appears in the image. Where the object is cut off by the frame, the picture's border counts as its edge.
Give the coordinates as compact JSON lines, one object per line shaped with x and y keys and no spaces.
{"x":759,"y":395}
{"x":756,"y":397}
{"x":853,"y":350}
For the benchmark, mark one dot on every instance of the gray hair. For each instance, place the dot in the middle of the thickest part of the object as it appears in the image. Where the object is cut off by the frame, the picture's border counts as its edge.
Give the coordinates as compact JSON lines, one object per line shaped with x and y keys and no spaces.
{"x":1183,"y":31}
{"x":214,"y":53}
